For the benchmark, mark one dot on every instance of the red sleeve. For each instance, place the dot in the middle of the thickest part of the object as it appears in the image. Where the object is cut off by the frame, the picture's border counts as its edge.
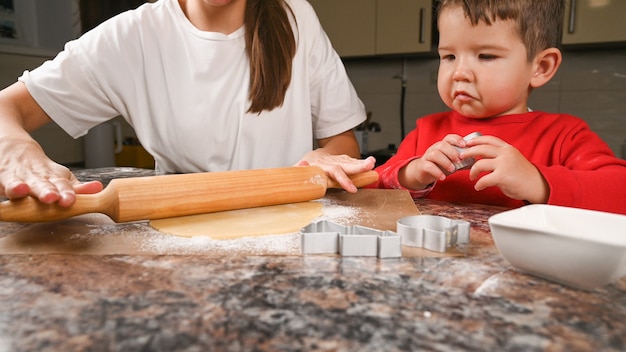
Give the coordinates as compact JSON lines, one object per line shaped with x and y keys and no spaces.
{"x":590,"y":177}
{"x":388,"y":172}
{"x":601,"y":189}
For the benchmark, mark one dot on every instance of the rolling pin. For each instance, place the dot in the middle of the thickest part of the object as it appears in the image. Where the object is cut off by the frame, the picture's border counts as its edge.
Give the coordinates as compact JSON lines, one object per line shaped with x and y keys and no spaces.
{"x":165,"y":196}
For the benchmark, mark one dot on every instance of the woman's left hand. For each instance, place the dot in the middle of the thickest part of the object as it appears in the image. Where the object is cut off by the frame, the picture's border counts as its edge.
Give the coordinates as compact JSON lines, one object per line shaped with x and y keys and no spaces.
{"x":338,"y":167}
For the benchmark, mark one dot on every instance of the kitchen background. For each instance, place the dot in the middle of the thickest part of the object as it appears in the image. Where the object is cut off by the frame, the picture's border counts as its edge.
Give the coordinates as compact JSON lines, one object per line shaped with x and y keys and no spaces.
{"x":388,"y":50}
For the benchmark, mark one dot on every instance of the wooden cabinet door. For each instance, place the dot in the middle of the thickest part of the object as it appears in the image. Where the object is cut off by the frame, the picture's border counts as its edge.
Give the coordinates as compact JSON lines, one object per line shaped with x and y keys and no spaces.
{"x":594,"y":21}
{"x":350,"y":25}
{"x":404,"y":26}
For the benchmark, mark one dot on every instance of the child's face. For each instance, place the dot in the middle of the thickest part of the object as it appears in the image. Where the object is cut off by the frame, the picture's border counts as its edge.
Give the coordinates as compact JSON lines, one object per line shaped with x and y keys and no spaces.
{"x":484,"y":70}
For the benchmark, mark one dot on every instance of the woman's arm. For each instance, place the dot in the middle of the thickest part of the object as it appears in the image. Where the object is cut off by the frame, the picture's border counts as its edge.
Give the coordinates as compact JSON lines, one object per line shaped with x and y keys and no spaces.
{"x":25,"y":168}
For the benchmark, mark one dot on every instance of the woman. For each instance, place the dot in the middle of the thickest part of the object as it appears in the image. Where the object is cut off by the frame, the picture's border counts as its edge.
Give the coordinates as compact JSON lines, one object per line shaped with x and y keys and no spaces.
{"x":208,"y":85}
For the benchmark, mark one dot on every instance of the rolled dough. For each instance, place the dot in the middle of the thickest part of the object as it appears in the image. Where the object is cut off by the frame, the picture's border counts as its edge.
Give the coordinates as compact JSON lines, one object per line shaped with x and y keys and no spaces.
{"x":270,"y":220}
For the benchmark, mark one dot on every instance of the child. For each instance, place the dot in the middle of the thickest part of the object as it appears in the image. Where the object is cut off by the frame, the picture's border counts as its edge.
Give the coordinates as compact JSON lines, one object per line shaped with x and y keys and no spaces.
{"x":492,"y":55}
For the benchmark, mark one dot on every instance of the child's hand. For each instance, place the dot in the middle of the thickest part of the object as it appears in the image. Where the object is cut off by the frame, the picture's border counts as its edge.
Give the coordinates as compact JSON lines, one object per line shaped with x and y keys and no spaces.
{"x":506,"y":169}
{"x":437,"y":162}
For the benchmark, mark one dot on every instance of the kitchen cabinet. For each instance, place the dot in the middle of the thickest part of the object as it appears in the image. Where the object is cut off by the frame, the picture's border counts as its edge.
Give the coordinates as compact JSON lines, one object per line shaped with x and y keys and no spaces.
{"x":377,"y":27}
{"x":37,"y":27}
{"x":403,"y":26}
{"x":350,"y":24}
{"x":594,"y":21}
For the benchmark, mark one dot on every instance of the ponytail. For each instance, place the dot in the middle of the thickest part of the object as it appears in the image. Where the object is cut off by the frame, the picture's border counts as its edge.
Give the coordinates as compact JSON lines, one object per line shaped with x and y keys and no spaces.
{"x":271,"y":46}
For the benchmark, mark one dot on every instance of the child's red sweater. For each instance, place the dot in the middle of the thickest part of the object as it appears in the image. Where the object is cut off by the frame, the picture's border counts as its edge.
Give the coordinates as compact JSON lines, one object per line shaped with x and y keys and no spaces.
{"x":580,"y":169}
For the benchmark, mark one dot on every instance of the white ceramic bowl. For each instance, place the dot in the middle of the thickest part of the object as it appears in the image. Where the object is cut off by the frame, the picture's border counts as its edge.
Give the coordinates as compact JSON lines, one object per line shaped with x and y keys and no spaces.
{"x":579,"y":248}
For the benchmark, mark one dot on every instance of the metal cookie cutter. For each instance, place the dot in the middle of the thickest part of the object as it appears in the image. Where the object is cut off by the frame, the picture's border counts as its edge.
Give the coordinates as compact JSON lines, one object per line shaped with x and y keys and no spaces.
{"x":466,"y":163}
{"x":326,"y":237}
{"x":432,"y":232}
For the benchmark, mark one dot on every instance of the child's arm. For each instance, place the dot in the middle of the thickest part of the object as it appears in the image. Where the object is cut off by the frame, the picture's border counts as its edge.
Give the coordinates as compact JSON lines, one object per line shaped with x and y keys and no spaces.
{"x":437,"y":162}
{"x":415,"y":171}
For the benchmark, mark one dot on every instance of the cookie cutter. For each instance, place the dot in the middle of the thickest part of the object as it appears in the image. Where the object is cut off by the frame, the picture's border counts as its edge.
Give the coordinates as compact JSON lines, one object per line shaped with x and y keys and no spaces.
{"x":433,"y":232}
{"x":466,"y":163}
{"x":327,"y":237}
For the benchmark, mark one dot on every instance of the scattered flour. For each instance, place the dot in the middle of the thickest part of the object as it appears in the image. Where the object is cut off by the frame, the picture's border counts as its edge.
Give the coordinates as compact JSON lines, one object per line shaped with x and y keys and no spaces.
{"x":340,"y":214}
{"x":140,"y":238}
{"x":284,"y":244}
{"x":158,"y":243}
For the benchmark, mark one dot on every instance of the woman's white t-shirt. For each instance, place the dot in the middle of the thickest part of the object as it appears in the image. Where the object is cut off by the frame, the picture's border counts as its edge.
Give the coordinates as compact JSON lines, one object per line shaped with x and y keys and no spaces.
{"x":185,"y":91}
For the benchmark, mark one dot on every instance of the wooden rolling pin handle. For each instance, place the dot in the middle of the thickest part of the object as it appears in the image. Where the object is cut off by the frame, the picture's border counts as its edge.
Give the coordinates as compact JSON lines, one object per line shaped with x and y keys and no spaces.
{"x":30,"y":209}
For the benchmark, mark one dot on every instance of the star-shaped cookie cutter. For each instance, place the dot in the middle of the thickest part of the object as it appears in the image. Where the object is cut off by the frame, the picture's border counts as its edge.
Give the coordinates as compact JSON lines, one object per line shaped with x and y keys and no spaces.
{"x":433,"y":232}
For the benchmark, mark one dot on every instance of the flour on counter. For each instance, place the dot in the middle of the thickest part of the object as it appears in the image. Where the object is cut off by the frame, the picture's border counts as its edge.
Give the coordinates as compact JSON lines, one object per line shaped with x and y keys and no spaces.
{"x":158,"y":243}
{"x":340,"y":214}
{"x":96,"y":234}
{"x":271,"y":244}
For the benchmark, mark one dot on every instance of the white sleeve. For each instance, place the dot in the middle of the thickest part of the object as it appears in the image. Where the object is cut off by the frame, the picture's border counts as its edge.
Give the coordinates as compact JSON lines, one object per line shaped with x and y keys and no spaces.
{"x":78,"y":89}
{"x":335,"y":104}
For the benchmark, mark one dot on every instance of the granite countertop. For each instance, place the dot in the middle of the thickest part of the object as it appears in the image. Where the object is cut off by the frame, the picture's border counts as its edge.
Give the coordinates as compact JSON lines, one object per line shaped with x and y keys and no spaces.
{"x":475,"y":302}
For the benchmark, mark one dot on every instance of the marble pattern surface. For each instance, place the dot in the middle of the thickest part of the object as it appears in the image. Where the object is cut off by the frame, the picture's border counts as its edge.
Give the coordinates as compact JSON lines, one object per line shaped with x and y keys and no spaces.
{"x":476,"y":302}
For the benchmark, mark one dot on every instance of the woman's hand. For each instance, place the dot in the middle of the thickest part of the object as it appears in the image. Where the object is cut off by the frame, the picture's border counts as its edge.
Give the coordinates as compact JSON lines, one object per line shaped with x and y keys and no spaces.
{"x":338,"y":167}
{"x":24,"y":167}
{"x":337,"y":156}
{"x":28,"y":171}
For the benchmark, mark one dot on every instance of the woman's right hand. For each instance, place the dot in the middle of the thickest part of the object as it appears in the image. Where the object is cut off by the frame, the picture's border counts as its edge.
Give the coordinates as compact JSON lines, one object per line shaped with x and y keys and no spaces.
{"x":27,"y":171}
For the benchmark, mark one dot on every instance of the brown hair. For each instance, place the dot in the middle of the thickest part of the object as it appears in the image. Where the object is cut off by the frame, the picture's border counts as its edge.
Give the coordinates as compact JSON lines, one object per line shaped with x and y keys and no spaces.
{"x":539,"y":22}
{"x":271,"y":46}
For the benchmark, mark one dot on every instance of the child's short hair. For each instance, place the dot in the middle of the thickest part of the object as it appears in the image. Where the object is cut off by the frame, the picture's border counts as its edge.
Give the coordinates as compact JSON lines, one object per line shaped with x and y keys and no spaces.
{"x":539,"y":22}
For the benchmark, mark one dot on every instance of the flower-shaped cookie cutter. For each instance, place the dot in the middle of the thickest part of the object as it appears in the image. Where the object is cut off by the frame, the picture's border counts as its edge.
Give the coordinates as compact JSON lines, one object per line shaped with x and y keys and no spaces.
{"x":327,"y":237}
{"x":432,"y":232}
